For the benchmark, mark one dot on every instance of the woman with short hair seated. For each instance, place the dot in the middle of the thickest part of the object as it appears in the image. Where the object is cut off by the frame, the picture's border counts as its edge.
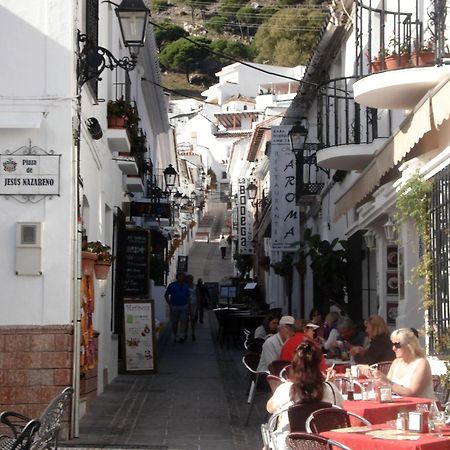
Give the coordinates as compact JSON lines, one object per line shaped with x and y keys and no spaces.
{"x":380,"y":345}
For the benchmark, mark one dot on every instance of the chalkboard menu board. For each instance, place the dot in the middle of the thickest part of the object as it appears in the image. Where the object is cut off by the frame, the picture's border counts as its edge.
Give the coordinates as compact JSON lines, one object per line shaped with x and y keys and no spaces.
{"x":182,"y":265}
{"x":136,"y":281}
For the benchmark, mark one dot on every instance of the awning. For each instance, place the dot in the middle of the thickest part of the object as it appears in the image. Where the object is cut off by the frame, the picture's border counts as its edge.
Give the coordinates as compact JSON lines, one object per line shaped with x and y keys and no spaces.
{"x":428,"y":115}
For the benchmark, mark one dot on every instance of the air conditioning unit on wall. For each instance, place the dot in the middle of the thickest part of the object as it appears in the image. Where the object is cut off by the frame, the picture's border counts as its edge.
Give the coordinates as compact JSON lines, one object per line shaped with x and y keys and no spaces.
{"x":29,"y":248}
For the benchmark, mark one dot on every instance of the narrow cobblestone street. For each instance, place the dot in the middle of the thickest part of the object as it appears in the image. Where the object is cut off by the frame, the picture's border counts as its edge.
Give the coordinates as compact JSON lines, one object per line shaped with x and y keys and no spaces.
{"x":197,"y":398}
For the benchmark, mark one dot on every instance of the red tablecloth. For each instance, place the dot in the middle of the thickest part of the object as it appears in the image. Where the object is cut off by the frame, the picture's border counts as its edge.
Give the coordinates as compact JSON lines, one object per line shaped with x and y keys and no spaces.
{"x":376,"y":412}
{"x":361,"y":441}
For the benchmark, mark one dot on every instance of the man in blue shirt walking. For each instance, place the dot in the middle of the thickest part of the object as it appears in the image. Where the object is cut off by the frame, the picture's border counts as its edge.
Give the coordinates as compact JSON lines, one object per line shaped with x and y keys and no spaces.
{"x":177,"y":297}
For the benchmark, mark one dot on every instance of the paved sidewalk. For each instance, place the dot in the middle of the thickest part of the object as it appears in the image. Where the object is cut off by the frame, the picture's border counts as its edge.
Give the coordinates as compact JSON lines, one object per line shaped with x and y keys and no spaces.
{"x":197,"y":400}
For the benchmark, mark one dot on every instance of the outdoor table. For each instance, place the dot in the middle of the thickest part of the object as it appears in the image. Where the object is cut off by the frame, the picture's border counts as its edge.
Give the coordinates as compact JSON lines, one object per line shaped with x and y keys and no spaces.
{"x":377,"y":413}
{"x":385,"y":437}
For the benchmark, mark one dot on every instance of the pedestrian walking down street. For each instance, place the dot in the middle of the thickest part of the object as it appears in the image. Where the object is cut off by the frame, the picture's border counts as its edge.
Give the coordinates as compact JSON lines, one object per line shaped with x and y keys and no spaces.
{"x":177,"y":297}
{"x":203,"y":298}
{"x":223,"y":246}
{"x":193,"y":304}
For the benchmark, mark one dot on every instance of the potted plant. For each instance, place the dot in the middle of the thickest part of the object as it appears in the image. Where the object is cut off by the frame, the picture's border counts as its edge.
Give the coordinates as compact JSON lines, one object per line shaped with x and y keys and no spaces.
{"x":423,"y":53}
{"x":116,"y":113}
{"x":88,"y":258}
{"x":397,"y":55}
{"x":103,"y":260}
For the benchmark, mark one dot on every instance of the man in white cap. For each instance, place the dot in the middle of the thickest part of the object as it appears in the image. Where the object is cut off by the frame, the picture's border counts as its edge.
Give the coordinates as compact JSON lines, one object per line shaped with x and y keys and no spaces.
{"x":272,"y":346}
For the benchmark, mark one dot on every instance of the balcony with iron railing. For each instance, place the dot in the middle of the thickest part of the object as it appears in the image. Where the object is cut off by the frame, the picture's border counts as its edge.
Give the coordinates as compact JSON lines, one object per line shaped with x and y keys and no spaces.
{"x":400,"y":52}
{"x":348,"y":134}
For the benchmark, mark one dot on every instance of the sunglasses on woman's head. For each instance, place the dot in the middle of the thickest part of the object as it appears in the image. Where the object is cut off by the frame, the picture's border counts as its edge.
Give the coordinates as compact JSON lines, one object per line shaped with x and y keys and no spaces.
{"x":396,"y":345}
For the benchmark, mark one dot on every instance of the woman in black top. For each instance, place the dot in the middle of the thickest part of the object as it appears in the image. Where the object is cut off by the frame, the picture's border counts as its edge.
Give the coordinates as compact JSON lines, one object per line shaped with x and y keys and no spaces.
{"x":380,"y":346}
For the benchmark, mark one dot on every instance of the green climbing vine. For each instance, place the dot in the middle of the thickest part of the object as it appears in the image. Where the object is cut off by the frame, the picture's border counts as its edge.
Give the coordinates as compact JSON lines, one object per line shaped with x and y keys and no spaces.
{"x":413,"y":202}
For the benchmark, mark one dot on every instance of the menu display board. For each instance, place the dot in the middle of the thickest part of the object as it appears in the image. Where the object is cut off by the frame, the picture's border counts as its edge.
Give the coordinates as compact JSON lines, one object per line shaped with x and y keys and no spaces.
{"x":139,"y":335}
{"x":213,"y":289}
{"x":136,"y":283}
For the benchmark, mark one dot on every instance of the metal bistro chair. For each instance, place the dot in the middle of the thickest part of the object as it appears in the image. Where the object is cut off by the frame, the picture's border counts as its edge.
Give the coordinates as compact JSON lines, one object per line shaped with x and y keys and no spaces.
{"x":273,"y":381}
{"x":441,"y":391}
{"x":275,"y":367}
{"x":331,"y":418}
{"x":251,"y":361}
{"x":50,"y":422}
{"x":297,"y":415}
{"x":254,"y":345}
{"x":285,"y":371}
{"x":382,"y":366}
{"x":21,"y":440}
{"x":306,"y":441}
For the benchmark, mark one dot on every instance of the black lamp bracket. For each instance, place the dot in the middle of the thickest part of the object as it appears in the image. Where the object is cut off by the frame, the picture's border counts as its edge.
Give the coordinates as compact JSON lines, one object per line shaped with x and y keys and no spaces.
{"x":93,"y":60}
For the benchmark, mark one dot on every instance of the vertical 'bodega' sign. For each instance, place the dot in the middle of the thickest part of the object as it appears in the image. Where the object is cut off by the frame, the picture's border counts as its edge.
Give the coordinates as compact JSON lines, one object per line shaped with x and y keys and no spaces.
{"x":245,"y":225}
{"x":285,"y":212}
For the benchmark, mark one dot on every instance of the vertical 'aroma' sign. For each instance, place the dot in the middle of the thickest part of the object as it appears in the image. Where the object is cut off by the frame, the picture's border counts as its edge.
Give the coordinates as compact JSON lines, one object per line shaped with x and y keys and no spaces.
{"x":285,"y":212}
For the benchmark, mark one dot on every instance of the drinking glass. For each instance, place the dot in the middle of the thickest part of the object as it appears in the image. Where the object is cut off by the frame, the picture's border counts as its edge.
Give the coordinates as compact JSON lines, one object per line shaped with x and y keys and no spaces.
{"x":422,"y":407}
{"x":439,"y":422}
{"x":341,"y":385}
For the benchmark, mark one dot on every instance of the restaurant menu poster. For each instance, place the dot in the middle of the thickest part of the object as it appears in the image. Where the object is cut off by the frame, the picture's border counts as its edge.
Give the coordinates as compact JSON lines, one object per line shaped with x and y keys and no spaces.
{"x":139,"y":335}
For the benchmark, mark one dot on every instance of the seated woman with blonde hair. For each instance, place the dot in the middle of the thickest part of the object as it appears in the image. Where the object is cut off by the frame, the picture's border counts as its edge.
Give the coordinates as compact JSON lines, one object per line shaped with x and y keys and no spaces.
{"x":410,"y":372}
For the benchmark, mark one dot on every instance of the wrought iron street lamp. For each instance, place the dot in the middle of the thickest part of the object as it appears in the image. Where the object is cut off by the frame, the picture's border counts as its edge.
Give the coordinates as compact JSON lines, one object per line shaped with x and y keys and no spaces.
{"x":177,"y":198}
{"x":369,"y":239}
{"x":297,"y":135}
{"x":390,"y":231}
{"x":170,"y":177}
{"x":93,"y":59}
{"x":252,"y":189}
{"x":133,"y":19}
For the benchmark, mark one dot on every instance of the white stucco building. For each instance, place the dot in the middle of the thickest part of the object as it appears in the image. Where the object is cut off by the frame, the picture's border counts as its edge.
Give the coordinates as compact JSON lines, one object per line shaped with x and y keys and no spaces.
{"x":93,"y":182}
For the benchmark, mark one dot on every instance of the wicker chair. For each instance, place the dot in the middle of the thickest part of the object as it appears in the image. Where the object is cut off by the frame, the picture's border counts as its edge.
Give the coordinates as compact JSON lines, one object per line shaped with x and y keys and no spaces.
{"x":50,"y":422}
{"x":331,"y":418}
{"x":22,"y":440}
{"x":306,"y":441}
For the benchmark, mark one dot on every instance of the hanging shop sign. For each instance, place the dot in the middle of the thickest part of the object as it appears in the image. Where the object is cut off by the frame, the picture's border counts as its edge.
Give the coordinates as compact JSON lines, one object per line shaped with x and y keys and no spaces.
{"x":245,"y":220}
{"x":25,"y":172}
{"x":285,"y":212}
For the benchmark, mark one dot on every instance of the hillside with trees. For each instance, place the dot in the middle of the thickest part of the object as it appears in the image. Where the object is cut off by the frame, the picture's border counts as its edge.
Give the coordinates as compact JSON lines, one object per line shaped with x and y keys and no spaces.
{"x":196,"y":38}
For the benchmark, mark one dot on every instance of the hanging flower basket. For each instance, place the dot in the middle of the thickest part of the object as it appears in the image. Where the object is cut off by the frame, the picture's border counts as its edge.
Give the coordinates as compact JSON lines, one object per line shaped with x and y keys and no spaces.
{"x":87,"y":262}
{"x":101,"y":270}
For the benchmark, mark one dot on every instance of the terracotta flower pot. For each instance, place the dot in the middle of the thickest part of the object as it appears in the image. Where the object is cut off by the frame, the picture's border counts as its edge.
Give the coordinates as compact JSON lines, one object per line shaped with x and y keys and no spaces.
{"x":423,"y":58}
{"x":87,"y":262}
{"x":101,"y":270}
{"x":375,"y":66}
{"x":116,"y":122}
{"x":396,"y":61}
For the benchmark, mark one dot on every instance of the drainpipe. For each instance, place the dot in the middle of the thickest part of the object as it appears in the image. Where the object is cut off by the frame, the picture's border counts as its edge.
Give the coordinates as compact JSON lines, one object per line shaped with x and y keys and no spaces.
{"x":76,"y":245}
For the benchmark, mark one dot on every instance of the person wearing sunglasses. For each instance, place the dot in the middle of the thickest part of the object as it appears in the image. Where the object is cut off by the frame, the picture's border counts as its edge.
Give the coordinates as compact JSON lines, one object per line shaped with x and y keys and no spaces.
{"x":410,"y":372}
